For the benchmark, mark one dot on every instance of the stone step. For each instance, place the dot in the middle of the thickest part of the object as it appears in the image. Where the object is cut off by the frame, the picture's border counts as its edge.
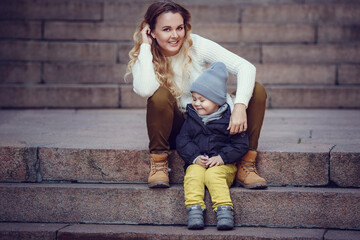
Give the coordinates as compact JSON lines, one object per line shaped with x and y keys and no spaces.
{"x":81,"y":42}
{"x":25,"y":231}
{"x":122,"y":95}
{"x":286,"y":96}
{"x":58,"y":51}
{"x":316,"y":14}
{"x":60,"y":96}
{"x":21,"y":231}
{"x":286,"y":11}
{"x":311,"y":54}
{"x":137,"y":204}
{"x":289,"y":96}
{"x":125,"y":166}
{"x":92,"y":52}
{"x":297,"y":147}
{"x":113,"y":73}
{"x":315,"y":167}
{"x":314,"y":97}
{"x":220,"y":32}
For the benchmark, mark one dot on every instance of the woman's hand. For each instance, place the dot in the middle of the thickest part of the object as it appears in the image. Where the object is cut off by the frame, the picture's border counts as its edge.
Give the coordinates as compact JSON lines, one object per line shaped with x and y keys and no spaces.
{"x":215,"y":161}
{"x":238,"y":119}
{"x":145,"y":34}
{"x":202,"y":160}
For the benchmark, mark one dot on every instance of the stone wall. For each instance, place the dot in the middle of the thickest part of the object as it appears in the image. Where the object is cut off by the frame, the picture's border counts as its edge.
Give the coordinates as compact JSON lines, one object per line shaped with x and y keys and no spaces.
{"x":73,"y":53}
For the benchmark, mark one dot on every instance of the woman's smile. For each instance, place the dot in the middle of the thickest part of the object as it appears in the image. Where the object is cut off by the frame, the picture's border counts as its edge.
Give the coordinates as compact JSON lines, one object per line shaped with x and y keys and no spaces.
{"x":169,"y":33}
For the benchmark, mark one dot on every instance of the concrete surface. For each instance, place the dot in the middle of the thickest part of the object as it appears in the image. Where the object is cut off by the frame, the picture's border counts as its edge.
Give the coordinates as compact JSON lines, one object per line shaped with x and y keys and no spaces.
{"x":283,"y":129}
{"x":336,"y":208}
{"x":297,"y":147}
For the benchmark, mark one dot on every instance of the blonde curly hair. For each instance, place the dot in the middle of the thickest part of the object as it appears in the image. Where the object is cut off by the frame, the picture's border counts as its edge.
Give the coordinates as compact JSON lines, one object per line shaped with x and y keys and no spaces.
{"x":162,"y":66}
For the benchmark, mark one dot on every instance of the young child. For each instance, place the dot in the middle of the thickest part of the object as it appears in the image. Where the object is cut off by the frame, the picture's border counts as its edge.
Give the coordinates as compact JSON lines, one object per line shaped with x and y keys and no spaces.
{"x":208,"y":149}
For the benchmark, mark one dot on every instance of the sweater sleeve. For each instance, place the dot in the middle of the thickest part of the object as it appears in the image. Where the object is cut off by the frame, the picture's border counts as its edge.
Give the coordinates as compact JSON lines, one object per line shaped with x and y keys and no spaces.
{"x":144,"y":78}
{"x":211,"y":52}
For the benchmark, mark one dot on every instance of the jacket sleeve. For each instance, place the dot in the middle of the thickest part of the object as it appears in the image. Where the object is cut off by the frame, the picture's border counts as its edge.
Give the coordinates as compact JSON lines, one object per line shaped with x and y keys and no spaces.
{"x":185,"y":145}
{"x":238,"y":147}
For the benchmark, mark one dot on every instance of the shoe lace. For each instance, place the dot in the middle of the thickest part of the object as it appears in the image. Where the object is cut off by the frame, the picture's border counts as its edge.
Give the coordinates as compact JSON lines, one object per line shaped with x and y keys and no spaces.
{"x":249,"y":166}
{"x":158,"y":166}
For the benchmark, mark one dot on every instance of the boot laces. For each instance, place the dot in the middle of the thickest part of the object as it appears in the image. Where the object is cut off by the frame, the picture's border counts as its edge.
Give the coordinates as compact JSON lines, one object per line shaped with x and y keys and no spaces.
{"x":250,"y":166}
{"x":158,"y":166}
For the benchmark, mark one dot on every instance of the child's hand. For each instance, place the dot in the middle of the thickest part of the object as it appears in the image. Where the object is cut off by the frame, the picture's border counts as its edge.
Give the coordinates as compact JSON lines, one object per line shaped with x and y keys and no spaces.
{"x":215,"y":161}
{"x":202,"y":160}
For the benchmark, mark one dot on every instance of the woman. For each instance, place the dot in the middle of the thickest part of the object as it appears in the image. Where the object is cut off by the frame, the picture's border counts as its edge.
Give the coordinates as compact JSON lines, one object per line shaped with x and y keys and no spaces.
{"x":164,"y":62}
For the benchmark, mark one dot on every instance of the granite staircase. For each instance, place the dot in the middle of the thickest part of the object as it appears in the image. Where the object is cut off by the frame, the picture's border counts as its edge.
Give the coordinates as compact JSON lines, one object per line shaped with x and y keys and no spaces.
{"x":73,"y":54}
{"x":81,"y":174}
{"x":73,"y":158}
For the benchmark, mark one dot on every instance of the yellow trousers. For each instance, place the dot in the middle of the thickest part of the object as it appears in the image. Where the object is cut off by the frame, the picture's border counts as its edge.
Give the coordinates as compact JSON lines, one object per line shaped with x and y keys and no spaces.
{"x":217,"y":179}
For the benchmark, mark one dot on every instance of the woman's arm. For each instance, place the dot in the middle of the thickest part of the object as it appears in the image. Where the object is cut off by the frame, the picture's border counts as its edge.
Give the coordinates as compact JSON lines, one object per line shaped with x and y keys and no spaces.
{"x":144,"y":79}
{"x":243,"y":69}
{"x":245,"y":72}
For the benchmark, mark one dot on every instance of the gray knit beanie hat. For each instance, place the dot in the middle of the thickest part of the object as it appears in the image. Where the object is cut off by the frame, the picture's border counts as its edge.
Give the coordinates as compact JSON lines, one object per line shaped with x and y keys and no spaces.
{"x":212,"y":83}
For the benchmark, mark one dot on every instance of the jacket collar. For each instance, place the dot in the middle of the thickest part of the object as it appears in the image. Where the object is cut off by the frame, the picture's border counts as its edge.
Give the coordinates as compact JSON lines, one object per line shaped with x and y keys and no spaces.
{"x":193,"y":114}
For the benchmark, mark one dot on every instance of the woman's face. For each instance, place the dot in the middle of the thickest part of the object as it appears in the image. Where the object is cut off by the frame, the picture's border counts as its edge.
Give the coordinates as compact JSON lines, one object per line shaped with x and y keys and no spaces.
{"x":169,"y":33}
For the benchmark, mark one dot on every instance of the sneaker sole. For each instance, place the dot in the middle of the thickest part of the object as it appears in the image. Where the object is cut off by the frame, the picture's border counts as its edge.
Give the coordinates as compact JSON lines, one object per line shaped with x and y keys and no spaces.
{"x":253,"y":186}
{"x":159,"y":185}
{"x":225,"y":227}
{"x":196,"y":227}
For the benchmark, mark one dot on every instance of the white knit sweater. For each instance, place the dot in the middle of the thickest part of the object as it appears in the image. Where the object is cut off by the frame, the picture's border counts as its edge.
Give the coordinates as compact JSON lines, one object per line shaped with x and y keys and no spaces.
{"x":204,"y":51}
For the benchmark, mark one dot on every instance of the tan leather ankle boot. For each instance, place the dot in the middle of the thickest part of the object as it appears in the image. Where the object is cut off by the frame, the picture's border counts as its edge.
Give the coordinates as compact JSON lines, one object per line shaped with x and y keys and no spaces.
{"x":247,"y":175}
{"x":159,"y":176}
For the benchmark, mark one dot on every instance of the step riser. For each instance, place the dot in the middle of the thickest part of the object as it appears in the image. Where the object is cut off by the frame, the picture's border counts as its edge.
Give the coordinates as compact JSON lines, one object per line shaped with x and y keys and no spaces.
{"x":305,"y":54}
{"x":302,"y":14}
{"x":114,"y":96}
{"x":101,"y":165}
{"x":133,"y":166}
{"x":63,"y":96}
{"x":279,"y":168}
{"x":58,"y":51}
{"x":66,"y":42}
{"x":93,"y":73}
{"x":110,"y":53}
{"x":181,"y":233}
{"x":202,"y":12}
{"x":245,"y":33}
{"x":136,"y":204}
{"x":321,"y":97}
{"x":21,"y":231}
{"x":24,"y":231}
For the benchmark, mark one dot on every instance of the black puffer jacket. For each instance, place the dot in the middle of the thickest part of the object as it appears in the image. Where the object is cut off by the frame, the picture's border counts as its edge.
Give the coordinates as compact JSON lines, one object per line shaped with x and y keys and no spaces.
{"x":196,"y":138}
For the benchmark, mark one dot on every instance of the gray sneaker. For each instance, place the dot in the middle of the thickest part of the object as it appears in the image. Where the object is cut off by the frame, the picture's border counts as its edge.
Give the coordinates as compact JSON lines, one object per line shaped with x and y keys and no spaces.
{"x":195,"y":217}
{"x":225,"y":218}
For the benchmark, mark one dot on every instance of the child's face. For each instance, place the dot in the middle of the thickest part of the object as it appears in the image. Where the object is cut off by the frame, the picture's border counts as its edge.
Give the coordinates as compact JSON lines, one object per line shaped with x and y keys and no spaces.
{"x":203,"y":105}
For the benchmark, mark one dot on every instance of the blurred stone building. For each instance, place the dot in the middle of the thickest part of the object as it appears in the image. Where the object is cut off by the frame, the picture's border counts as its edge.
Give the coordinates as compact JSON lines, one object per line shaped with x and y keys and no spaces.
{"x":73,"y":53}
